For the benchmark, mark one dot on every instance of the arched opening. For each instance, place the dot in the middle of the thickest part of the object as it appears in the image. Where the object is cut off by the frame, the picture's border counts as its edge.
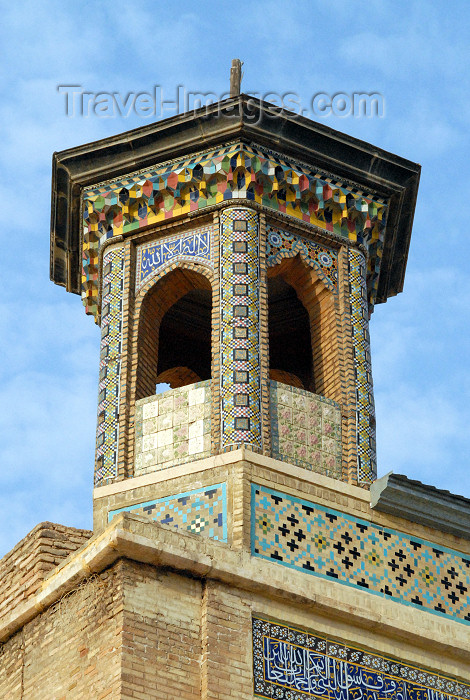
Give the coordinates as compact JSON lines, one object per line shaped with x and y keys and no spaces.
{"x":302,"y":329}
{"x":184,"y":344}
{"x":290,"y":343}
{"x":174,"y":336}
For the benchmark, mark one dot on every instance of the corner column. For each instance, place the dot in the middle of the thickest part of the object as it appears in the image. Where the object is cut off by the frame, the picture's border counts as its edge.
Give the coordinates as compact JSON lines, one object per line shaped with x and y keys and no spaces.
{"x":240,"y":366}
{"x":365,"y":408}
{"x":107,"y":432}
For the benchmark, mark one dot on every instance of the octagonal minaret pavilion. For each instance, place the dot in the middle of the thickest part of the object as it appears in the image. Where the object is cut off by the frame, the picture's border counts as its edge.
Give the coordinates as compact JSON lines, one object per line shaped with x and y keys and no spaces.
{"x":235,"y":261}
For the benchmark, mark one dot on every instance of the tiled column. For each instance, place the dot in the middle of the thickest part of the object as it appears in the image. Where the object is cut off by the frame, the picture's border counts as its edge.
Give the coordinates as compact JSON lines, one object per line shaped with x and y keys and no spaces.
{"x":365,"y":410}
{"x":110,"y":365}
{"x":240,"y":371}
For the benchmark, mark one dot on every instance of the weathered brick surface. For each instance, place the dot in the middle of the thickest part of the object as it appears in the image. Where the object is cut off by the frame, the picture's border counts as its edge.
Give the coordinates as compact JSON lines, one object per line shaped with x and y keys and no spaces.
{"x":26,"y":566}
{"x":161,"y":635}
{"x":226,"y":664}
{"x":70,"y":651}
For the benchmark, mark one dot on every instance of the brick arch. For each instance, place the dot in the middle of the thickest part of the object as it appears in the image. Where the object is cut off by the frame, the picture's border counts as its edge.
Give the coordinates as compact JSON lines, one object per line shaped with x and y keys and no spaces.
{"x":154,"y":299}
{"x":320,"y":304}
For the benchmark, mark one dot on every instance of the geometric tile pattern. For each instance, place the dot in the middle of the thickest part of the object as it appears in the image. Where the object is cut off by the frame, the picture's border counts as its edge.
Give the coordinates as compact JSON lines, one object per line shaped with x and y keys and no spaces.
{"x":172,"y":428}
{"x":329,"y":544}
{"x":365,"y":409}
{"x":240,"y":384}
{"x":283,"y":244}
{"x":292,"y":664}
{"x":110,"y":365}
{"x":237,"y":170}
{"x":152,"y":257}
{"x":202,"y":511}
{"x":305,"y":429}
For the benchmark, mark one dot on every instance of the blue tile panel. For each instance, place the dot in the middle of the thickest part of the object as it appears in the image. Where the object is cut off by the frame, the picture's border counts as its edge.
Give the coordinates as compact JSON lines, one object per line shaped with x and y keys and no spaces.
{"x":332,"y":545}
{"x":110,"y":365}
{"x":292,"y":664}
{"x":283,"y":244}
{"x":365,"y":409}
{"x":202,"y":511}
{"x":240,"y":380}
{"x":152,"y":257}
{"x":305,"y":429}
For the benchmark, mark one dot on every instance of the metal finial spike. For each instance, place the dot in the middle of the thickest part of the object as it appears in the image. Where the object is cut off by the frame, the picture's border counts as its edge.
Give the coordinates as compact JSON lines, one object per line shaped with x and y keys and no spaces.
{"x":235,"y":77}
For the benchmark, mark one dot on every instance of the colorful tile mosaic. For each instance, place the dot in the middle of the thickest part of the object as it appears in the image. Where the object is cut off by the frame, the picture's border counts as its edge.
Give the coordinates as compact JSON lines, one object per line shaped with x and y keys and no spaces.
{"x":283,"y":244}
{"x":202,"y":511}
{"x":332,"y":545}
{"x":173,"y":428}
{"x":292,"y":664}
{"x":365,"y":408}
{"x":240,"y":383}
{"x":110,"y":365}
{"x":152,"y":257}
{"x":305,"y":429}
{"x":235,"y":171}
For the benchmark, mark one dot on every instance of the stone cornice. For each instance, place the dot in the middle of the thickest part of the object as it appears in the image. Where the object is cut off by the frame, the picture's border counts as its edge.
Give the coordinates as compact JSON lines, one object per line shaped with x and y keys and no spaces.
{"x":409,"y":499}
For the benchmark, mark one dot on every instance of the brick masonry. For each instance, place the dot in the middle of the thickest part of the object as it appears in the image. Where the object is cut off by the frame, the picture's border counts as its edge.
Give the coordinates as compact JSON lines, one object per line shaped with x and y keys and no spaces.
{"x":141,"y":631}
{"x":23,"y":570}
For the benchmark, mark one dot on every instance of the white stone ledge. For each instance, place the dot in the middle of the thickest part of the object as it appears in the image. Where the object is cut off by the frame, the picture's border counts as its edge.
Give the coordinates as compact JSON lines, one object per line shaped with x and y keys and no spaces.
{"x":226,"y":458}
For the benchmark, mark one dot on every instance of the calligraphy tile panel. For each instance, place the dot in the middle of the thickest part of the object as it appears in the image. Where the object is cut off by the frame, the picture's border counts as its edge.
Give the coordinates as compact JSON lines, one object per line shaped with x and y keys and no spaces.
{"x":194,"y":246}
{"x":291,"y":664}
{"x":332,"y":545}
{"x":202,"y":511}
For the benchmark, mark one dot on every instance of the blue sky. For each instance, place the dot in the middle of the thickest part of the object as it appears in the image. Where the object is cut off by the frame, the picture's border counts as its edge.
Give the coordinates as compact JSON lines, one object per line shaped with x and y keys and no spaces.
{"x":415,"y":54}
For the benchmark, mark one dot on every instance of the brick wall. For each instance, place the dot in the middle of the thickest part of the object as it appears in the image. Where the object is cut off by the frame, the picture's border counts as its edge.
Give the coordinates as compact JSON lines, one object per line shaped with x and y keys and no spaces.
{"x":24,"y":568}
{"x":161,"y":634}
{"x":72,"y":650}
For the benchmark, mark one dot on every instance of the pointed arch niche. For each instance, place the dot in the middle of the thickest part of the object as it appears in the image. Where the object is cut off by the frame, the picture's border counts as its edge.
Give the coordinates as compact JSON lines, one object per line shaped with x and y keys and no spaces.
{"x":174,"y":336}
{"x":303,"y":343}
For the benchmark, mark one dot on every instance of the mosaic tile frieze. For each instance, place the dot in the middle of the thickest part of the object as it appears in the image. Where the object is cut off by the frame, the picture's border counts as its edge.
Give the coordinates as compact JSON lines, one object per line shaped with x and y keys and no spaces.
{"x":110,"y":365}
{"x":240,"y":379}
{"x":201,"y":511}
{"x":292,"y":664}
{"x":305,"y":429}
{"x":152,"y":257}
{"x":126,"y":205}
{"x":329,"y":544}
{"x":283,"y":244}
{"x":173,"y":428}
{"x":365,"y":407}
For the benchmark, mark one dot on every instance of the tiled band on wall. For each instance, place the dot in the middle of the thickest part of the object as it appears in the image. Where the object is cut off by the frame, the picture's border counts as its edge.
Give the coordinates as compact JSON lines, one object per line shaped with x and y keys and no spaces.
{"x":292,"y":664}
{"x":110,"y":365}
{"x":240,"y":381}
{"x":324,"y":542}
{"x":201,"y":511}
{"x":365,"y":409}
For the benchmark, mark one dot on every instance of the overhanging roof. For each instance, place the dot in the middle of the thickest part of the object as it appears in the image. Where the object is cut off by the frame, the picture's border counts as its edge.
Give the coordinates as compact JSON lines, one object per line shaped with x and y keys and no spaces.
{"x":323,"y":149}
